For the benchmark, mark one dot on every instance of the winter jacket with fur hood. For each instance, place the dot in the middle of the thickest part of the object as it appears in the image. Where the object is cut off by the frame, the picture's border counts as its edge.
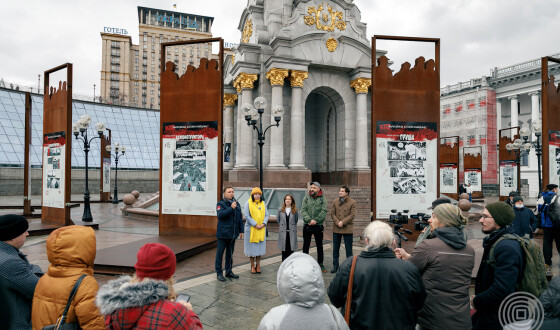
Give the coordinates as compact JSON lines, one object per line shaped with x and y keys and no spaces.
{"x":71,"y":252}
{"x":143,"y":305}
{"x":300,"y":284}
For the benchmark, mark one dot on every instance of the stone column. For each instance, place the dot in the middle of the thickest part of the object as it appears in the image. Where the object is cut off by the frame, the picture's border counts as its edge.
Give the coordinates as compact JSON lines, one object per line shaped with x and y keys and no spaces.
{"x":229,"y":103}
{"x":498,"y":117}
{"x":361,"y":86}
{"x":535,"y":112}
{"x":276,"y":77}
{"x":245,"y":159}
{"x":297,"y":121}
{"x":514,"y":112}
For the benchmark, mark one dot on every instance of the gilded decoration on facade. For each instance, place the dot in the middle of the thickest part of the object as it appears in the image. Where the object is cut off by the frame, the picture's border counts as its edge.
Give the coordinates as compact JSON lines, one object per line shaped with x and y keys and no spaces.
{"x":297,"y":78}
{"x":332,"y":44}
{"x":361,"y":85}
{"x":325,"y":21}
{"x":244,"y":81}
{"x":229,"y":100}
{"x":247,"y":30}
{"x":277,"y":76}
{"x":232,"y":59}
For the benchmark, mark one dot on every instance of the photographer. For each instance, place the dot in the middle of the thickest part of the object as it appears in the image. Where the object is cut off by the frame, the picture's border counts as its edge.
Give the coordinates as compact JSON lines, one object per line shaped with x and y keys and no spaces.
{"x":445,"y":261}
{"x":426,"y":232}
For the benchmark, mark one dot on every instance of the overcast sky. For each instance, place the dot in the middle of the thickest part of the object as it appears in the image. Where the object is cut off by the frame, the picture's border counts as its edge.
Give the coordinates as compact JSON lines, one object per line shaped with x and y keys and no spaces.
{"x":476,"y":35}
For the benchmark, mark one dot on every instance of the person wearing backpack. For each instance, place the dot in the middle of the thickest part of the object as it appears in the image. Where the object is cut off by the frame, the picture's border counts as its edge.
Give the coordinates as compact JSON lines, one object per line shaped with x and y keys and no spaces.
{"x":549,"y":209}
{"x":494,"y":282}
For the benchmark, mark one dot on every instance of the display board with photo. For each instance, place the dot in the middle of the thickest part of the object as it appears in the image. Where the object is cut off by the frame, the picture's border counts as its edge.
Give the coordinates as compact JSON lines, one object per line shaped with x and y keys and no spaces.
{"x":54,"y":146}
{"x":554,"y":157}
{"x":448,"y":178}
{"x":406,"y":166}
{"x":106,"y":174}
{"x":508,"y":177}
{"x":189,"y":168}
{"x":473,"y":176}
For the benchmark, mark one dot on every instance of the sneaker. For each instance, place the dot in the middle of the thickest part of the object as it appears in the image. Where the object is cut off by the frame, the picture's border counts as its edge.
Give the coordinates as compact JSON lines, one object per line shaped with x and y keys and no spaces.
{"x":548,"y":270}
{"x":323,"y":269}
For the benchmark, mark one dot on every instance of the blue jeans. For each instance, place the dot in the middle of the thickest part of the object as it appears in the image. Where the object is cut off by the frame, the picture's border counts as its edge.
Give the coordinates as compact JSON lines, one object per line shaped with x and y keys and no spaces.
{"x":337,"y":238}
{"x":228,"y":245}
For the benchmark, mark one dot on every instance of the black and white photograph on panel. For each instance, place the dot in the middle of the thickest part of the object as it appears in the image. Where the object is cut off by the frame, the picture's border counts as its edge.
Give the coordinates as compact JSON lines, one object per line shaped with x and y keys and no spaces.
{"x":508,"y":176}
{"x":189,"y":170}
{"x":402,"y":168}
{"x":447,"y":176}
{"x":473,"y":178}
{"x":407,"y":186}
{"x":404,"y":150}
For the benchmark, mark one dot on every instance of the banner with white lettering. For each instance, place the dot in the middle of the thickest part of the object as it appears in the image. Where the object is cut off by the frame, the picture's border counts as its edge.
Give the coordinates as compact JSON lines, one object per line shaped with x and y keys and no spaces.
{"x":448,"y":178}
{"x":406,"y":166}
{"x":554,"y":157}
{"x":508,"y":177}
{"x":54,"y":160}
{"x":106,"y":174}
{"x":189,"y":168}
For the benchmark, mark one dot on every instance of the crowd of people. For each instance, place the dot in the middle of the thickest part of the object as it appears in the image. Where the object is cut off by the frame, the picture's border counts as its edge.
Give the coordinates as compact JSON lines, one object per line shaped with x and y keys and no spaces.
{"x":384,"y":287}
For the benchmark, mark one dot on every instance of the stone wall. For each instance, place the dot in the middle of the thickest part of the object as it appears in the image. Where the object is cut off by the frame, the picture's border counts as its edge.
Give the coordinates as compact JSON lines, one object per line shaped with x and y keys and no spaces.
{"x":11,"y":181}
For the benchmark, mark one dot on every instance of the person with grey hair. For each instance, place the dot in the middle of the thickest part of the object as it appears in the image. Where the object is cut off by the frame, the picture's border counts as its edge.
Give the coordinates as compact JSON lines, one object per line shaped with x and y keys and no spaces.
{"x":387,"y":292}
{"x":446,"y":262}
{"x":301,"y":285}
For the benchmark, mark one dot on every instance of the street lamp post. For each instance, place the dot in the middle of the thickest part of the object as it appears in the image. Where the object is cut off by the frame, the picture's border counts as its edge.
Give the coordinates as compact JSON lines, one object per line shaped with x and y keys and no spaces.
{"x":80,"y":132}
{"x":93,"y":93}
{"x":122,"y":149}
{"x":253,"y":115}
{"x":522,"y":147}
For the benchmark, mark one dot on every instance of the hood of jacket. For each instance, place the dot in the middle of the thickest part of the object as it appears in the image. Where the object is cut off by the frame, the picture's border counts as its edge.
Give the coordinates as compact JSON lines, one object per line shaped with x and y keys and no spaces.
{"x":71,"y":250}
{"x":122,"y":294}
{"x":452,"y":236}
{"x":300,"y":281}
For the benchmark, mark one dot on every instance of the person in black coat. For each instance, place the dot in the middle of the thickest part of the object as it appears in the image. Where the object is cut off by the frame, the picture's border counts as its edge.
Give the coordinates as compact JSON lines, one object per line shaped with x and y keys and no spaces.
{"x":495,"y":282}
{"x":230,"y":226}
{"x":525,"y":221}
{"x":387,"y":292}
{"x":550,"y":299}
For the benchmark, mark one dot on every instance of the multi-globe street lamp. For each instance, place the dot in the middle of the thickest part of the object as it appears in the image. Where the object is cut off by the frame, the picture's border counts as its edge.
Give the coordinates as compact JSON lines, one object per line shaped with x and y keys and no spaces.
{"x":522,"y":146}
{"x":118,"y":148}
{"x":80,"y":130}
{"x":253,"y":115}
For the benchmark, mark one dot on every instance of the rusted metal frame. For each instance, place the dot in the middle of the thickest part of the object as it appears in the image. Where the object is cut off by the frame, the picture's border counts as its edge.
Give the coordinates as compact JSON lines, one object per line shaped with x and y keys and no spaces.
{"x":27,"y":211}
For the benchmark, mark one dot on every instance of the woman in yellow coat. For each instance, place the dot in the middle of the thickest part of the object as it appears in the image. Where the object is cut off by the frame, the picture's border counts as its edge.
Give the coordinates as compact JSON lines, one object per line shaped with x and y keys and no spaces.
{"x":256,"y":218}
{"x":71,"y":252}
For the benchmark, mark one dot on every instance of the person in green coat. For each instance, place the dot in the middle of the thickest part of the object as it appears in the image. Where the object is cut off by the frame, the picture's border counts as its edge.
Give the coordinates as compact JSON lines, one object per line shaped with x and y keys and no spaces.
{"x":314,"y":211}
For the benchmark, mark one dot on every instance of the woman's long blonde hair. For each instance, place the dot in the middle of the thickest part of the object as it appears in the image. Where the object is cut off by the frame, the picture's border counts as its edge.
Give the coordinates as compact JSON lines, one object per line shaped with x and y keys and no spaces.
{"x":294,"y":208}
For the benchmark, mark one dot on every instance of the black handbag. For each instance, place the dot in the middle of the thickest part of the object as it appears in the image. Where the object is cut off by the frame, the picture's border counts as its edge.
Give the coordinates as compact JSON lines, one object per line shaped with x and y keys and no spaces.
{"x":61,"y":322}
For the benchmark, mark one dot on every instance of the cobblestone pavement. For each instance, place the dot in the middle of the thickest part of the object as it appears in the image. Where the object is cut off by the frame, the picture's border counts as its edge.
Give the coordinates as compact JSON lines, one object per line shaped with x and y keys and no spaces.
{"x":235,"y":304}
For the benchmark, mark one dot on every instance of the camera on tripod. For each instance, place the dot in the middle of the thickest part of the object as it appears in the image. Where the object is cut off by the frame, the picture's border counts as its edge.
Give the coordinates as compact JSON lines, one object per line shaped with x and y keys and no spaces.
{"x":398,"y":217}
{"x":421,"y":221}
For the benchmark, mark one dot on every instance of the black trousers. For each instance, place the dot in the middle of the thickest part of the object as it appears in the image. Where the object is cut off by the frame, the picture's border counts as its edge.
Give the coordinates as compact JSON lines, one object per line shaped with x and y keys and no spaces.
{"x":228,"y":245}
{"x":317,"y":232}
{"x":550,"y":235}
{"x":337,"y":239}
{"x":287,"y":248}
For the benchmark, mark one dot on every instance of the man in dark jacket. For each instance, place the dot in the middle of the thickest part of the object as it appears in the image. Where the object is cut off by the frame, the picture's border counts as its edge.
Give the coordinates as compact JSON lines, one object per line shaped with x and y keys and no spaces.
{"x":510,"y":201}
{"x":525,"y":221}
{"x":550,"y":299}
{"x":495,"y":282}
{"x":549,"y":208}
{"x":387,"y":292}
{"x":445,"y":261}
{"x":18,"y":275}
{"x":230,"y":225}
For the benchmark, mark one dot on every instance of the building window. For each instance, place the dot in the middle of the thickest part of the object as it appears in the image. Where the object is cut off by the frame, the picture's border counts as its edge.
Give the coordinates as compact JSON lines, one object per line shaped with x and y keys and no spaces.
{"x":136,"y":91}
{"x":135,"y":99}
{"x":153,"y":47}
{"x":153,"y":40}
{"x":176,"y":50}
{"x":114,"y":84}
{"x":115,"y":60}
{"x":184,"y":66}
{"x":152,"y":92}
{"x":145,"y":46}
{"x":153,"y":77}
{"x":192,"y":52}
{"x":114,"y":68}
{"x":136,"y":60}
{"x":176,"y":58}
{"x":136,"y":53}
{"x":153,"y":62}
{"x":144,"y":84}
{"x":115,"y":44}
{"x":136,"y":76}
{"x":153,"y":55}
{"x":136,"y":82}
{"x":152,"y":85}
{"x":524,"y":160}
{"x":144,"y":62}
{"x":115,"y":52}
{"x":136,"y":68}
{"x":191,"y":61}
{"x":144,"y":77}
{"x":114,"y":76}
{"x":145,"y":37}
{"x":184,"y":51}
{"x":206,"y":54}
{"x":153,"y":70}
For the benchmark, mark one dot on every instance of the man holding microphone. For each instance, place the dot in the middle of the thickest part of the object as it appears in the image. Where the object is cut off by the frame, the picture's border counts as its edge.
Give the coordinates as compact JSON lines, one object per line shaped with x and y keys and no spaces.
{"x":230,"y":225}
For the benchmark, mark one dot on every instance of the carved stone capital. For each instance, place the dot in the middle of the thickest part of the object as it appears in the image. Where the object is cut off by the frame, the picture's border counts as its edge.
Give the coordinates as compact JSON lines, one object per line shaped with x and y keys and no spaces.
{"x":537,"y":93}
{"x":277,"y":76}
{"x":244,"y":81}
{"x":229,"y":100}
{"x":297,"y":78}
{"x":513,"y":97}
{"x":361,"y":85}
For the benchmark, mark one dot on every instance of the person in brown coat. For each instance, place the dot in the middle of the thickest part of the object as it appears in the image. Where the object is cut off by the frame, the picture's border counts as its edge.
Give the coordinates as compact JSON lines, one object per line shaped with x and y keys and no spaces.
{"x":445,"y":261}
{"x":71,"y":252}
{"x":343,"y":212}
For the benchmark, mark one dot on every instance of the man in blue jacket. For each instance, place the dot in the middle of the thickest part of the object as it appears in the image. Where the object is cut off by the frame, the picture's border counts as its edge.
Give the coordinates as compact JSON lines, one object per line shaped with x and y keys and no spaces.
{"x":495,"y":281}
{"x":230,"y":225}
{"x":549,"y":209}
{"x":525,"y":221}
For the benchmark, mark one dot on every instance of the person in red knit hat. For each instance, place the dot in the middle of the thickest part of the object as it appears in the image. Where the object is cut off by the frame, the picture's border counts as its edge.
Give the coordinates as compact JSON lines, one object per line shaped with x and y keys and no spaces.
{"x":146,"y":300}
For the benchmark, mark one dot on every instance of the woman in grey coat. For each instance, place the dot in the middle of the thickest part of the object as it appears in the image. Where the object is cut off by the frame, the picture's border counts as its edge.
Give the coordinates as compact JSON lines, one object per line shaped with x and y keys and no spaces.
{"x":287,"y":226}
{"x":300,"y":284}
